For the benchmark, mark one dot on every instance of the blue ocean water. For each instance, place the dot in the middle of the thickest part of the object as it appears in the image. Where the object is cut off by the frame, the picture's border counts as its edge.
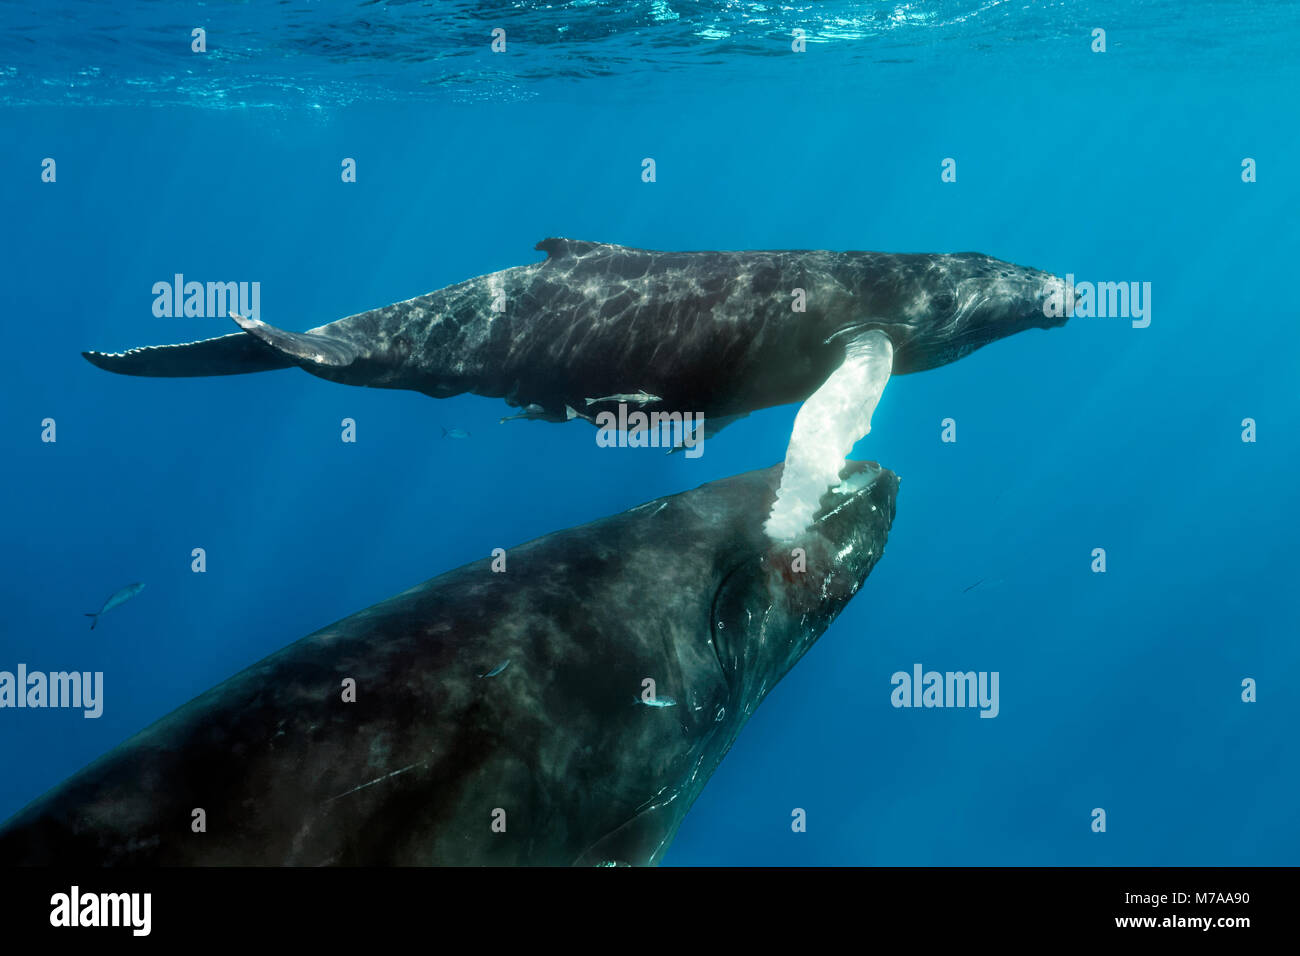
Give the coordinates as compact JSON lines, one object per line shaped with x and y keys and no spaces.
{"x":1119,"y":691}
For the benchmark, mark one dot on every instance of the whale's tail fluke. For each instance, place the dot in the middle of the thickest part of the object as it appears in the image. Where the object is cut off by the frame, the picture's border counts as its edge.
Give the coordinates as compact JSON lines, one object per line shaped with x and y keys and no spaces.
{"x":258,"y":348}
{"x":226,"y":355}
{"x":94,"y":618}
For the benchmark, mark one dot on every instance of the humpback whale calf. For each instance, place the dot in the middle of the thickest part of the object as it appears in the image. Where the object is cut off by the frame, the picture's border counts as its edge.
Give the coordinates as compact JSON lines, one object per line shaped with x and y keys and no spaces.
{"x":720,"y":334}
{"x":494,"y":717}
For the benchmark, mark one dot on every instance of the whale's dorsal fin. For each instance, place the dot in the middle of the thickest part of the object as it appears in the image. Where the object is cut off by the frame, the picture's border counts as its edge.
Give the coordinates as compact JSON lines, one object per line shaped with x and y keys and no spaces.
{"x":557,"y":248}
{"x":311,"y":348}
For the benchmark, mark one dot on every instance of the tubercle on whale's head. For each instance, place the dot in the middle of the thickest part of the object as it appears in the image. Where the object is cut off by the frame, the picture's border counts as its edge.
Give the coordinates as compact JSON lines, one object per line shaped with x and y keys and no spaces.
{"x":975,"y":300}
{"x":773,"y":607}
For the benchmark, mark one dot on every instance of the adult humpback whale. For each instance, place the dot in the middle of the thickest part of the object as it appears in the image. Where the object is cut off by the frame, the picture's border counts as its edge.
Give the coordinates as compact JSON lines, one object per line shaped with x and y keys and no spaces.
{"x":499,"y":718}
{"x":721,"y":334}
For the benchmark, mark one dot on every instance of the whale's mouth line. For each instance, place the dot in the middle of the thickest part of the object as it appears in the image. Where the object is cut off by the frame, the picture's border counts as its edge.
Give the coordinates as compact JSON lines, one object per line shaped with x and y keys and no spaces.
{"x":860,"y":481}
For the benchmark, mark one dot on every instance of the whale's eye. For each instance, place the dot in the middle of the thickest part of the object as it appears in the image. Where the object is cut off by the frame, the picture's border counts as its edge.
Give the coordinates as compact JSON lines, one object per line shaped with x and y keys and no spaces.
{"x":943,"y":302}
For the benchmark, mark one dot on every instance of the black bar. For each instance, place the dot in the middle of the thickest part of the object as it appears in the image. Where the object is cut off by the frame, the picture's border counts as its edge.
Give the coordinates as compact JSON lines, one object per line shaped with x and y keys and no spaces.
{"x":655,"y":907}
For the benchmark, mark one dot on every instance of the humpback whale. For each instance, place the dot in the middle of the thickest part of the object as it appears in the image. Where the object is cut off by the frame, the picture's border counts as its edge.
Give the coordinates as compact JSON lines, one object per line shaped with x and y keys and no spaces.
{"x":494,"y":717}
{"x":721,"y":334}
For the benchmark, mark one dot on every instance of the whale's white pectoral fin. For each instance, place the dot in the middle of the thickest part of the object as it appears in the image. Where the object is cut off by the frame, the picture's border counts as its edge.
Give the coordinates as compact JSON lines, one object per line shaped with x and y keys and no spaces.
{"x":827,"y":427}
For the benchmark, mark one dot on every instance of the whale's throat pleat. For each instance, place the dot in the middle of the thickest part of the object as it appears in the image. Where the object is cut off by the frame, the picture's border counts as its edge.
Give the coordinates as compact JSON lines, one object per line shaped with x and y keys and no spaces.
{"x":641,"y":841}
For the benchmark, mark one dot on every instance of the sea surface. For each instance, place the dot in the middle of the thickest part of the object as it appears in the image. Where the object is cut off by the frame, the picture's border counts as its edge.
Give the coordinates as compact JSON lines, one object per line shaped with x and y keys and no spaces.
{"x":1119,"y":690}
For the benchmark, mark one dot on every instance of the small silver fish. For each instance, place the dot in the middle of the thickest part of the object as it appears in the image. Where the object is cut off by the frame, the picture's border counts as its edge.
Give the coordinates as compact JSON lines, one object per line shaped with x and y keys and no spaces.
{"x":655,"y":701}
{"x":120,"y":597}
{"x":637,"y":398}
{"x":498,"y":669}
{"x":529,"y":412}
{"x":985,"y":583}
{"x":454,"y":433}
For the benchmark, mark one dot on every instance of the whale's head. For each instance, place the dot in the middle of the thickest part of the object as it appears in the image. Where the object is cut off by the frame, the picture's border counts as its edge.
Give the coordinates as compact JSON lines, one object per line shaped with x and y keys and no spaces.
{"x":966,"y":300}
{"x":702,"y":602}
{"x":775,"y":600}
